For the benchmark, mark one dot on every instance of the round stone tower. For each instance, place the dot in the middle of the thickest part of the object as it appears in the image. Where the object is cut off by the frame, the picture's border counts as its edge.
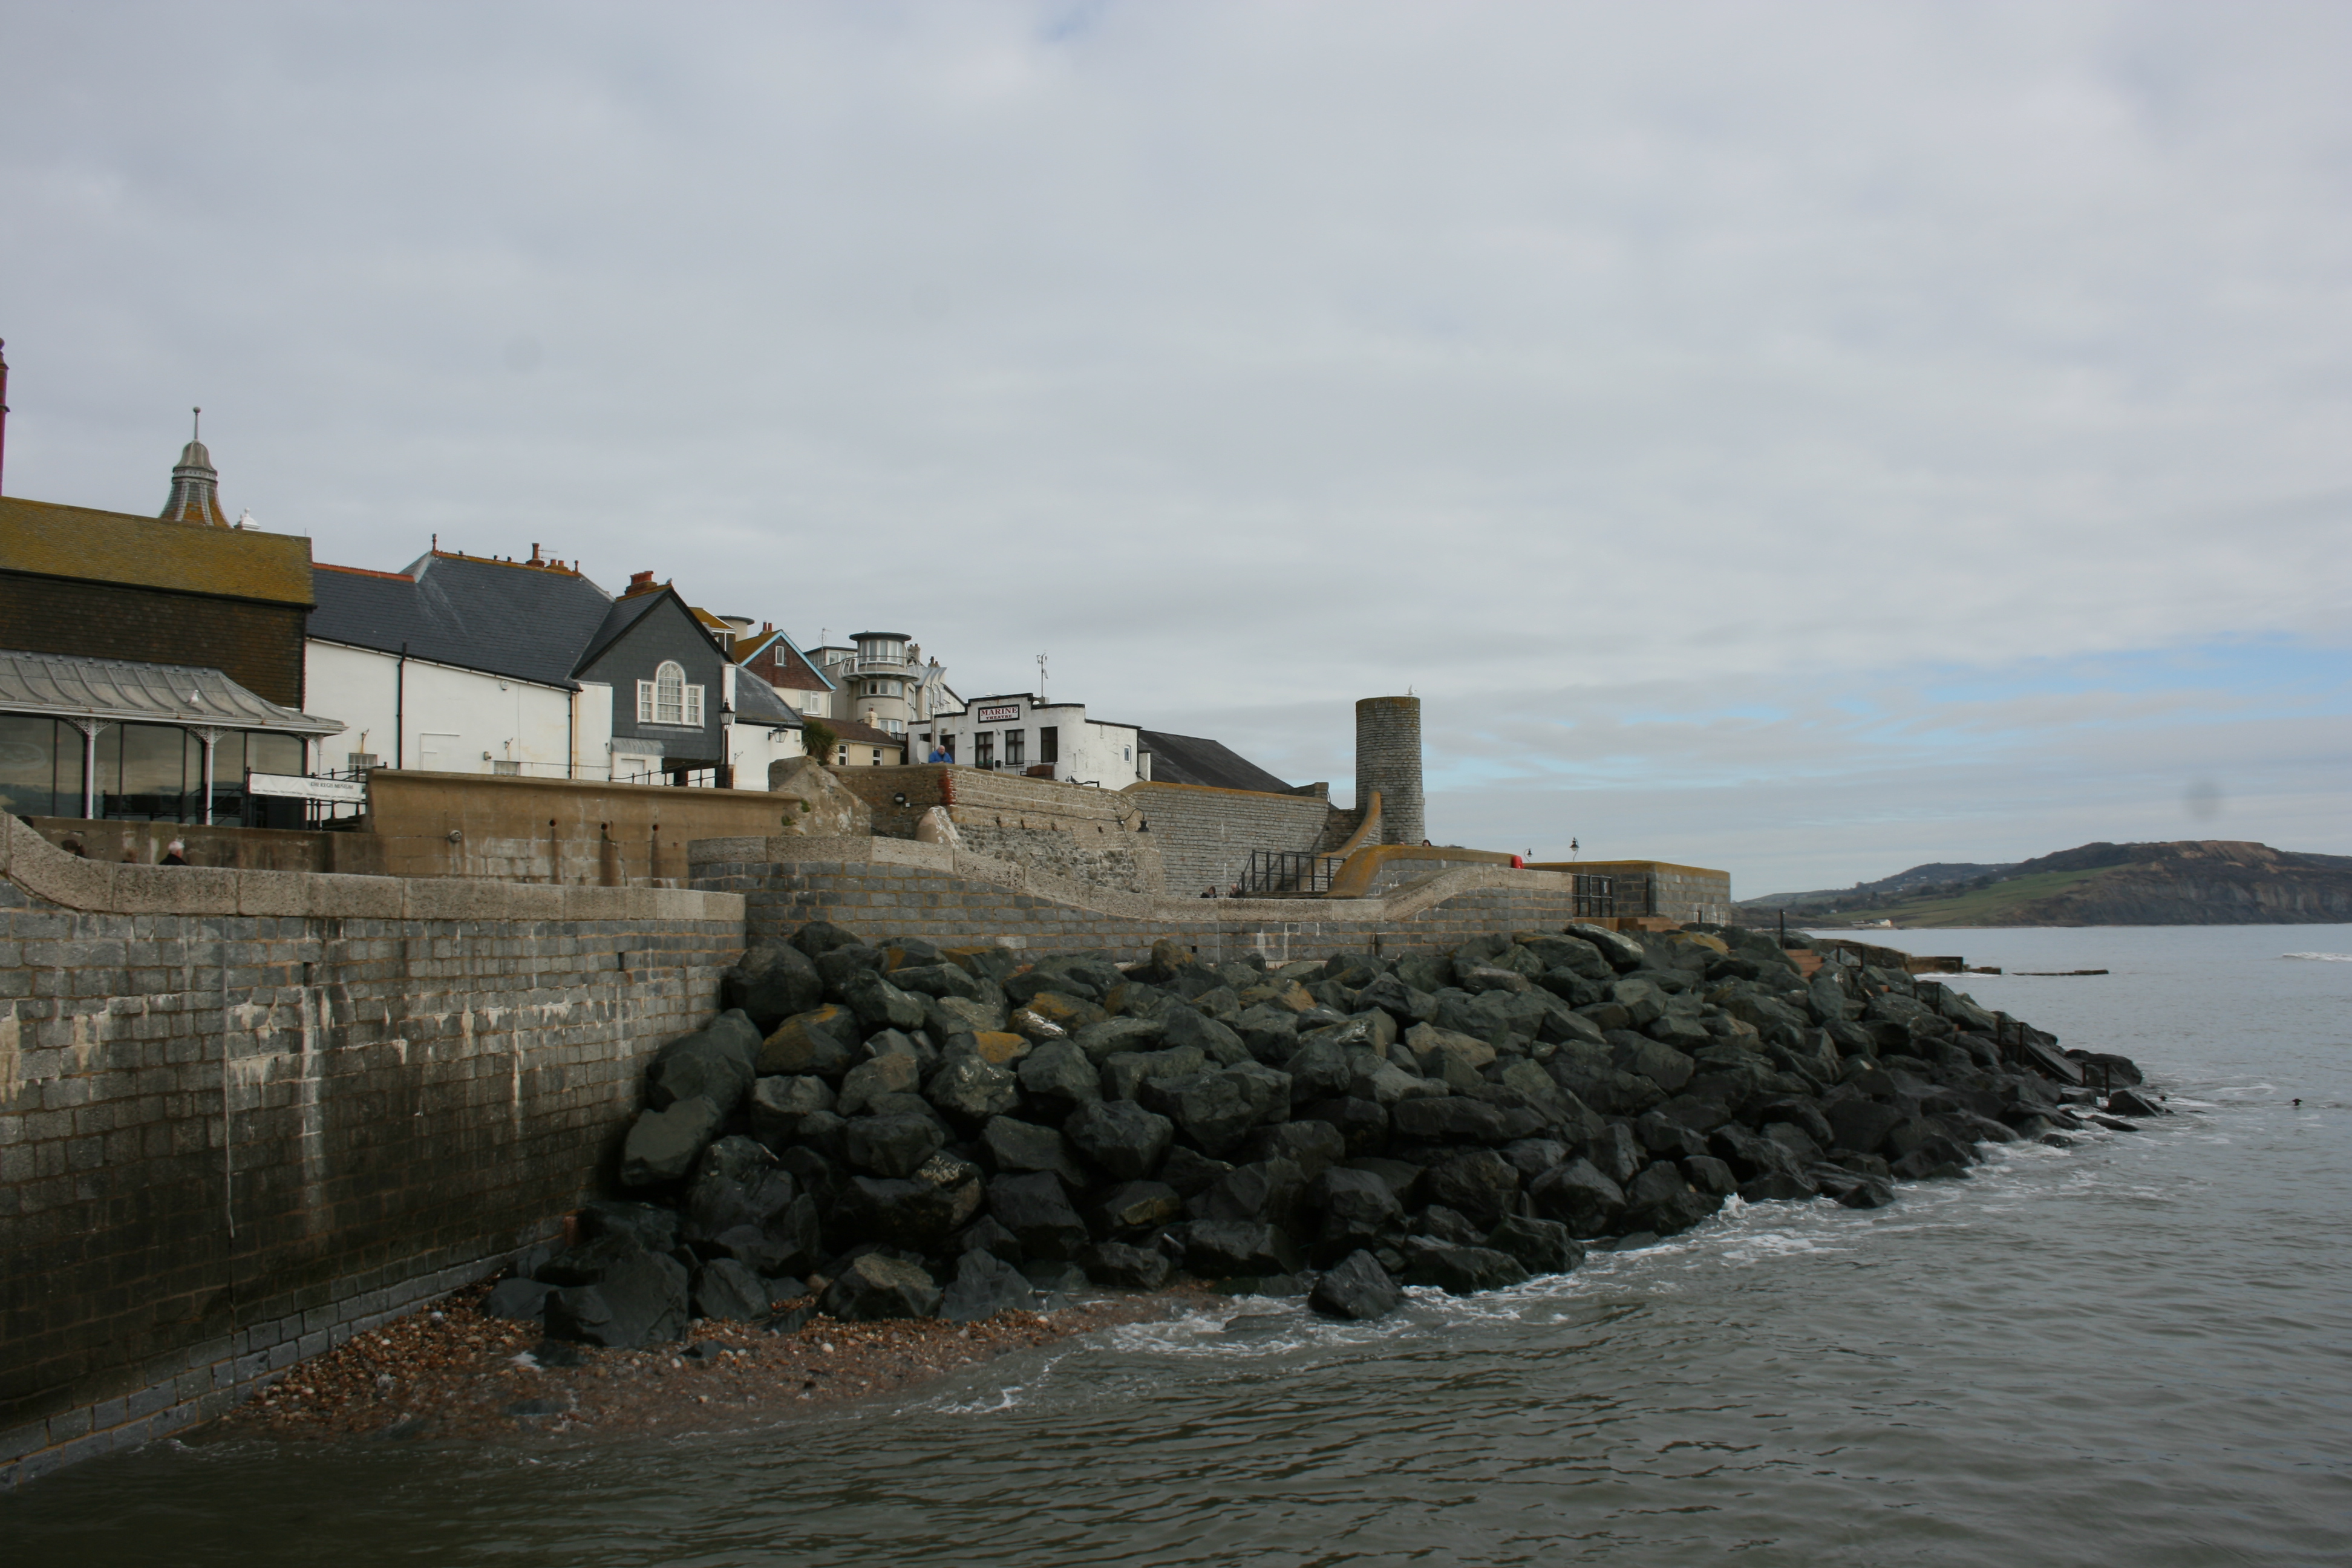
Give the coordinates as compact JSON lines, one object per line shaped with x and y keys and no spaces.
{"x":1388,"y":759}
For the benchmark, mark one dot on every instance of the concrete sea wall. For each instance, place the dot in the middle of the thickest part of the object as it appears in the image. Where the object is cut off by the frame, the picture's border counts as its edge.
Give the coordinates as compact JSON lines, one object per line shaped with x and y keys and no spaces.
{"x":244,"y":1114}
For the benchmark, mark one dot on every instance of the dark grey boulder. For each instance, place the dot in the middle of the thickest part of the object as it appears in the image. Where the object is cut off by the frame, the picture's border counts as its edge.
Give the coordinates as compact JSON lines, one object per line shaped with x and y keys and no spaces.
{"x":876,"y":1287}
{"x":1479,"y":1182}
{"x":1224,"y":1249}
{"x":1358,"y":1288}
{"x":778,"y":1104}
{"x":983,"y":1286}
{"x":1058,"y":1076}
{"x":969,"y":1090}
{"x":1190,"y":1172}
{"x":522,"y":1299}
{"x":1122,"y":1036}
{"x":640,"y":1299}
{"x":649,"y":1226}
{"x":1654,"y":1184}
{"x":1622,"y":951}
{"x":1312,"y":1146}
{"x":715,"y":1063}
{"x":1531,"y":1157}
{"x":1017,"y":1146}
{"x":1354,"y":1205}
{"x":1036,"y":1209}
{"x":878,"y":1004}
{"x":1662,"y":1064}
{"x":662,"y":1145}
{"x":1132,"y":1207}
{"x":1270,"y":1191}
{"x":725,"y":1289}
{"x":887,"y":1073}
{"x":1541,"y":1246}
{"x":818,"y":938}
{"x":1361,"y":1122}
{"x":1120,"y":1136}
{"x":1853,"y":1189}
{"x":1616,"y":1154}
{"x":1116,"y":1263}
{"x":919,"y":1212}
{"x":1708,"y":1175}
{"x":893,"y":1145}
{"x":1211,"y":1107}
{"x":1578,"y":1196}
{"x":736,"y":1182}
{"x":769,"y":983}
{"x":1861,"y":1125}
{"x":1459,"y":1271}
{"x":940,"y":980}
{"x":1057,"y":1277}
{"x":1777,"y":1187}
{"x":2124,"y":1102}
{"x":1439,"y":1223}
{"x":1450,"y":1120}
{"x":1183,"y":1026}
{"x":984,"y":1235}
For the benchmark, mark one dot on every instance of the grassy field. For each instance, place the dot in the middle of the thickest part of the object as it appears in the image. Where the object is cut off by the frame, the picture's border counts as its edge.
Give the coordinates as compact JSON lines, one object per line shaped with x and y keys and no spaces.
{"x":1977,"y":907}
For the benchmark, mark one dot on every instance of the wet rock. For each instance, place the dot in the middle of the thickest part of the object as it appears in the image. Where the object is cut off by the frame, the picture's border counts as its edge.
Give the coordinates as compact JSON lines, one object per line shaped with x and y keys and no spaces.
{"x":1185,"y":1027}
{"x":1223,"y":1250}
{"x":1056,"y":1075}
{"x":725,"y":1289}
{"x":1118,"y":1264}
{"x":1119,"y":1136}
{"x":984,"y":1235}
{"x":876,"y":1287}
{"x":522,"y":1299}
{"x":893,"y":1145}
{"x":664,"y":1144}
{"x":1270,"y":1191}
{"x":1133,"y":1207}
{"x":1479,"y":1184}
{"x":1122,"y":1037}
{"x":919,"y":1212}
{"x":779,"y":1103}
{"x":1124,"y":1073}
{"x":1708,"y":1175}
{"x":2124,"y":1102}
{"x":1017,"y":1146}
{"x":1313,"y":1146}
{"x":895,"y":1072}
{"x":1358,"y":1288}
{"x":715,"y":1063}
{"x":1356,"y":1205}
{"x":1212,"y":1108}
{"x":1036,"y":1209}
{"x":770,"y":982}
{"x":736,"y":1182}
{"x":1622,"y":951}
{"x":1540,"y":1246}
{"x":983,"y":1286}
{"x":647,"y":1225}
{"x":639,"y":1299}
{"x":1459,"y":1271}
{"x":1451,"y":1120}
{"x":968,"y":1091}
{"x":1616,"y":1154}
{"x":1578,"y":1196}
{"x":1861,"y":1125}
{"x":818,"y":1042}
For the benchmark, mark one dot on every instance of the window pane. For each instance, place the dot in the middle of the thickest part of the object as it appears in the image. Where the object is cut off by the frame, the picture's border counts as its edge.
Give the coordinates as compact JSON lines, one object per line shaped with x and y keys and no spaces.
{"x":268,"y":753}
{"x":28,"y":767}
{"x":154,"y":776}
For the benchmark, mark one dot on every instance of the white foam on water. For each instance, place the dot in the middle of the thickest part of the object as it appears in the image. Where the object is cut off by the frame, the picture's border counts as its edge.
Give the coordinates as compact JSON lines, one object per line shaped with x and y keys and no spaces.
{"x":2321,"y":957}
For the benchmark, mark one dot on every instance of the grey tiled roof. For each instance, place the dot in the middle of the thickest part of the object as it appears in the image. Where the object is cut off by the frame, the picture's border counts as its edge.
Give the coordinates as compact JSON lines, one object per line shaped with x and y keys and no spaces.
{"x":1190,"y":759}
{"x":758,"y":702}
{"x":496,"y":616}
{"x":64,"y":685}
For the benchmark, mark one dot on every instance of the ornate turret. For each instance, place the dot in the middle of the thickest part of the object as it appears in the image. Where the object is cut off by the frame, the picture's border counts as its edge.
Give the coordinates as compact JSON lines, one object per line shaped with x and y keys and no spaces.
{"x":195,"y":484}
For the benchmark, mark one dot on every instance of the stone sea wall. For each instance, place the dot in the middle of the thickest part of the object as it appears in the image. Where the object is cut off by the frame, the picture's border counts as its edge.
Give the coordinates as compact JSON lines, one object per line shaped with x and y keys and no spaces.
{"x":244,"y":1113}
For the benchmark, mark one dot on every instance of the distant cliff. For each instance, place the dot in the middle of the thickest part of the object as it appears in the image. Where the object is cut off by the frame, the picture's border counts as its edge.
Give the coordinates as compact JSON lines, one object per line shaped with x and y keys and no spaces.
{"x":2214,"y":882}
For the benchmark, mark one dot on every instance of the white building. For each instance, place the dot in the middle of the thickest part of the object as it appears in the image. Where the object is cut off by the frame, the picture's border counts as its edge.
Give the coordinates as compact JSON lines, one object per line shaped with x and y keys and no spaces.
{"x":1017,"y":733}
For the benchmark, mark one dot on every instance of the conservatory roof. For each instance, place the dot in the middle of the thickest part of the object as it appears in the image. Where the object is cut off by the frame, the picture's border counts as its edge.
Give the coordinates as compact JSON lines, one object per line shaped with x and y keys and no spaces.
{"x":118,"y":690}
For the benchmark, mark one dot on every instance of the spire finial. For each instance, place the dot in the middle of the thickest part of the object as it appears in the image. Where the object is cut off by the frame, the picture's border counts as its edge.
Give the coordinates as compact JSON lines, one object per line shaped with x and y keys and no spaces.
{"x":196,"y":429}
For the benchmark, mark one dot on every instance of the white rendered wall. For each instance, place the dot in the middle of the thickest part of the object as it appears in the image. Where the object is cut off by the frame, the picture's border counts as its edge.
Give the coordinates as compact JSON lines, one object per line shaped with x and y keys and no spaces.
{"x":451,"y":717}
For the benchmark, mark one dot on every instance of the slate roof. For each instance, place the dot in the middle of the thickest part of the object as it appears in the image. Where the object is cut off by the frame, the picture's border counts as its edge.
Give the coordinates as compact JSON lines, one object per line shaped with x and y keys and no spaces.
{"x":66,"y":686}
{"x":500,"y":617}
{"x":91,"y":546}
{"x":1190,"y":759}
{"x":756,"y":701}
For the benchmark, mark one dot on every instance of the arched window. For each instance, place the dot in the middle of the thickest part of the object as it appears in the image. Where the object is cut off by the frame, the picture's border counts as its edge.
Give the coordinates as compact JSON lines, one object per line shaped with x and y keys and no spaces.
{"x":666,"y":698}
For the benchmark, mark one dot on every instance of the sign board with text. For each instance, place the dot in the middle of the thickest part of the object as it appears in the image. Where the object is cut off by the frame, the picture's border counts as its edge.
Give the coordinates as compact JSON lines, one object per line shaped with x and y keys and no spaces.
{"x":298,"y":786}
{"x":1002,"y":713}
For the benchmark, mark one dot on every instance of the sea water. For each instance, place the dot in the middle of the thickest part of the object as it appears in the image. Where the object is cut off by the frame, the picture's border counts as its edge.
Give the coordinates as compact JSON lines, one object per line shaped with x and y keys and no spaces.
{"x":2138,"y":1351}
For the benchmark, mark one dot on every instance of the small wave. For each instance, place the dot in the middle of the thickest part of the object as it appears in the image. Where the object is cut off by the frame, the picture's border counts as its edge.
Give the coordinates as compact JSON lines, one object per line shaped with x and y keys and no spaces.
{"x":2321,"y":957}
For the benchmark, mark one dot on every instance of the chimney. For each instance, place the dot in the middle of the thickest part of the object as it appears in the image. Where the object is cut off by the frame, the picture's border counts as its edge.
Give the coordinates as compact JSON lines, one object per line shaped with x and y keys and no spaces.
{"x":534,"y":560}
{"x":639,"y":582}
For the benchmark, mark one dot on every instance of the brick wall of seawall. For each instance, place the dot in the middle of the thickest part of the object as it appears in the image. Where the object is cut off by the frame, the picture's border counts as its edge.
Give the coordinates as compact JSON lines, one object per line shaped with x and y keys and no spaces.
{"x":1205,"y":835}
{"x":245,"y":1114}
{"x":890,"y":887}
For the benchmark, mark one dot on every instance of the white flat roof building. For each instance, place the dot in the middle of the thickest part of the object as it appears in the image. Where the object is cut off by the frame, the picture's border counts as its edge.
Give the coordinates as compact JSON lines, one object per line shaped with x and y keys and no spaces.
{"x":1018,"y":732}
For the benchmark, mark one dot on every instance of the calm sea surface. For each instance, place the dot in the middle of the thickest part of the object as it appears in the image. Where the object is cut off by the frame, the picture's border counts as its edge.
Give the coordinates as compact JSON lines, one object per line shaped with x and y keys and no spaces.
{"x":2138,"y":1351}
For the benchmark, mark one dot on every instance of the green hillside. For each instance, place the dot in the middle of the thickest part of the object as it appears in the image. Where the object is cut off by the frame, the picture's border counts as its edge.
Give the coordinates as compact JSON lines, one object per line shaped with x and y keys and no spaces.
{"x":1977,"y":907}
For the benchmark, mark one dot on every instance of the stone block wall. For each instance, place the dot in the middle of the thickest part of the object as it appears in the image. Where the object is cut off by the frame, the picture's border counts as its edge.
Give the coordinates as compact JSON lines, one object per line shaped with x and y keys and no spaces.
{"x":1388,"y":759}
{"x":1205,"y":835}
{"x":244,"y":1114}
{"x":1064,"y":829}
{"x":882,"y":887}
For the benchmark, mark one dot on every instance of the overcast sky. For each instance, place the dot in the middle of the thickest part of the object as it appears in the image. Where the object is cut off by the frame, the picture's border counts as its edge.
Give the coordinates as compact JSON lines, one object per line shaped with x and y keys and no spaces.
{"x":1804,"y":438}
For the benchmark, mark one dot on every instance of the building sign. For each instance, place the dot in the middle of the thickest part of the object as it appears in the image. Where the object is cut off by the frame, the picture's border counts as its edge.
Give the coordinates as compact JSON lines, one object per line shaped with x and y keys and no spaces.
{"x":1002,"y":713}
{"x":295,"y":786}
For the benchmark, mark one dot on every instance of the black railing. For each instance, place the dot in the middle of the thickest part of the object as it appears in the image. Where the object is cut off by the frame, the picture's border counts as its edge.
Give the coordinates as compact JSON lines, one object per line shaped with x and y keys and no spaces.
{"x":1281,"y":871}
